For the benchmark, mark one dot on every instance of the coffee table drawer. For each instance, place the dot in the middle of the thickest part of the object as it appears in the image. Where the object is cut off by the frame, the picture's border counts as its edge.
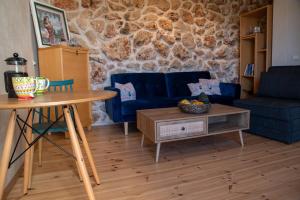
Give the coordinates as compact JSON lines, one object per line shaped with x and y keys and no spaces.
{"x":180,"y":129}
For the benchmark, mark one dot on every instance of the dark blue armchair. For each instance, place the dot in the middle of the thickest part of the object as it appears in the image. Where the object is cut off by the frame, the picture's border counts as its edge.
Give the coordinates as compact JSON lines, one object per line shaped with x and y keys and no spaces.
{"x":275,"y":111}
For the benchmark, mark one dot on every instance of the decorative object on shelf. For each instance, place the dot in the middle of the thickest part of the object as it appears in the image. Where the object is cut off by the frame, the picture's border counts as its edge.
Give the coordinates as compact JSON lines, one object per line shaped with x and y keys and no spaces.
{"x":49,"y":23}
{"x":199,"y":106}
{"x":42,"y":84}
{"x":249,"y":70}
{"x":17,"y":62}
{"x":25,"y":87}
{"x":256,"y":29}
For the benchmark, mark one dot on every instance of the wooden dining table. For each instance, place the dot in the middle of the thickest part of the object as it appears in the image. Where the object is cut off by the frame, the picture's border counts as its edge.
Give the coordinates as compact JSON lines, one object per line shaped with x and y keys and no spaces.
{"x":68,"y":101}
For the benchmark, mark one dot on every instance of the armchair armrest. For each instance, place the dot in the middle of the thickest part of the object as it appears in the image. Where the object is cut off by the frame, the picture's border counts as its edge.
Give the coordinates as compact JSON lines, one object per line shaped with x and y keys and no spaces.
{"x":231,"y":89}
{"x":113,"y":105}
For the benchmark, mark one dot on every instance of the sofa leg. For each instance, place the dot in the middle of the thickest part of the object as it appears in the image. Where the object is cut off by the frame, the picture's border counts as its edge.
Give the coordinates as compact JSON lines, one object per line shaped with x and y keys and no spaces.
{"x":126,"y":128}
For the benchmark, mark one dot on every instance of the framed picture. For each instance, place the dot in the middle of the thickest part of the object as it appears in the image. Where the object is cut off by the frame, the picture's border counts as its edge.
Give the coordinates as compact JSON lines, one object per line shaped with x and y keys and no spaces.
{"x":49,"y":23}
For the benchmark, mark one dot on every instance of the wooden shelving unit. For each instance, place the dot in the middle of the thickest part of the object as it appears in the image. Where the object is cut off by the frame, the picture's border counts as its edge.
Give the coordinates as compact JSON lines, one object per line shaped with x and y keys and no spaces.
{"x":255,"y":48}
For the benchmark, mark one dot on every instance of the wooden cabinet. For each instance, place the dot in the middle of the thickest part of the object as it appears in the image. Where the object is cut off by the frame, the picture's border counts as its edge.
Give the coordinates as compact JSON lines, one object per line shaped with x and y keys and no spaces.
{"x":255,"y":48}
{"x":62,"y":63}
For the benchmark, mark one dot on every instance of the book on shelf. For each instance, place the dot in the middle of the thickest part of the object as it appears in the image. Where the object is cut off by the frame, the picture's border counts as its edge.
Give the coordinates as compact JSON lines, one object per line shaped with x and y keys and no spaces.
{"x":249,"y":70}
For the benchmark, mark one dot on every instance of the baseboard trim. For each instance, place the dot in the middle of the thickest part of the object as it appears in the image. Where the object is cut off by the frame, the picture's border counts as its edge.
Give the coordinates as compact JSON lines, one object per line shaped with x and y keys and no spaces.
{"x":12,"y":182}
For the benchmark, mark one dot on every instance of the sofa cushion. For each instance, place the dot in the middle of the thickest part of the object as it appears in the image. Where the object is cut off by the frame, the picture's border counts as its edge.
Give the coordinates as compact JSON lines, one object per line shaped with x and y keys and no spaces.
{"x":227,"y":100}
{"x":127,"y":91}
{"x":210,"y":86}
{"x":285,"y":69}
{"x":281,"y":109}
{"x":146,"y":85}
{"x":268,"y":87}
{"x":130,"y":107}
{"x":281,"y":85}
{"x":284,"y":131}
{"x":176,"y":82}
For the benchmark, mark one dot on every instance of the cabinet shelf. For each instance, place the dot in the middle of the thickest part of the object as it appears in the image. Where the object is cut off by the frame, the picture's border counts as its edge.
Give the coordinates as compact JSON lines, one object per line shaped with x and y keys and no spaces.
{"x":248,"y":37}
{"x":255,"y":48}
{"x":262,"y":50}
{"x":248,"y":76}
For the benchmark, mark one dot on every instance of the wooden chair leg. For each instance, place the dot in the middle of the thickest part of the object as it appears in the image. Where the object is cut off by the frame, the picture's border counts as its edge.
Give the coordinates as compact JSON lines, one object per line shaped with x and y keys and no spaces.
{"x":27,"y":156}
{"x":7,"y":150}
{"x":40,"y":151}
{"x":86,"y":145}
{"x":78,"y":154}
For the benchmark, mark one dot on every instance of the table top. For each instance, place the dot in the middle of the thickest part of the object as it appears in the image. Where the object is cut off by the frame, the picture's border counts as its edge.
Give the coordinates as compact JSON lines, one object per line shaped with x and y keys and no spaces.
{"x":174,"y":113}
{"x":55,"y":99}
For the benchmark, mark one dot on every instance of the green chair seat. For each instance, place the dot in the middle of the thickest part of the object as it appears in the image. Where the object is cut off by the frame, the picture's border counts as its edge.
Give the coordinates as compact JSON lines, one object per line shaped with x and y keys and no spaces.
{"x":57,"y":127}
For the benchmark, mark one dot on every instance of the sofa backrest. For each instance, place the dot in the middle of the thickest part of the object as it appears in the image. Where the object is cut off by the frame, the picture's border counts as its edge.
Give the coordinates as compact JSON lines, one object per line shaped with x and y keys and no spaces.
{"x":285,"y":69}
{"x":145,"y":84}
{"x":176,"y":82}
{"x":280,"y":82}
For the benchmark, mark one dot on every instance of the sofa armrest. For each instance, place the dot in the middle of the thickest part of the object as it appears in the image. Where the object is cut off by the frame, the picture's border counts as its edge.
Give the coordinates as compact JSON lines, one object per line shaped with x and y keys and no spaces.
{"x":113,"y":105}
{"x":231,"y":89}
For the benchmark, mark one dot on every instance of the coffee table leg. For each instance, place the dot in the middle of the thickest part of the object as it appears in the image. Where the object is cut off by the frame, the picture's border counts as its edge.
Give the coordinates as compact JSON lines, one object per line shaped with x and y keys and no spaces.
{"x":241,"y":137}
{"x":157,"y":152}
{"x":6,"y":150}
{"x":143,"y":139}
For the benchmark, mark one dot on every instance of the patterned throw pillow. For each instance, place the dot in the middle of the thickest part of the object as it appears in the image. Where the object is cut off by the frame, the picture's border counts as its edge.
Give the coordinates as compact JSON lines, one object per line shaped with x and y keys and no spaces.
{"x":210,"y":86}
{"x":194,"y":88}
{"x":127,"y":91}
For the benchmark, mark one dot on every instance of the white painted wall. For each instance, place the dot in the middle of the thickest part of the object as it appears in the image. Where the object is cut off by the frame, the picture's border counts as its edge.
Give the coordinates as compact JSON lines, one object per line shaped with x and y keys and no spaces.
{"x":15,"y":36}
{"x":286,"y":32}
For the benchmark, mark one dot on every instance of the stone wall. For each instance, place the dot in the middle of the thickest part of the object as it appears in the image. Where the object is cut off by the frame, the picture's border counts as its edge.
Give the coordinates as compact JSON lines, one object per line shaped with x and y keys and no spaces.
{"x":156,"y":36}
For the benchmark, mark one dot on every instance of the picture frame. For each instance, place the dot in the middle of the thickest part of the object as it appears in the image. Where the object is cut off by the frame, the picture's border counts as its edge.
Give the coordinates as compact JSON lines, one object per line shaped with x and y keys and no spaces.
{"x":50,"y":24}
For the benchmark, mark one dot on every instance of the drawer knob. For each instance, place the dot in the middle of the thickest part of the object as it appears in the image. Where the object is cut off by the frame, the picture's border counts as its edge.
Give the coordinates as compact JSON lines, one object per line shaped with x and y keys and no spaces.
{"x":183,"y":128}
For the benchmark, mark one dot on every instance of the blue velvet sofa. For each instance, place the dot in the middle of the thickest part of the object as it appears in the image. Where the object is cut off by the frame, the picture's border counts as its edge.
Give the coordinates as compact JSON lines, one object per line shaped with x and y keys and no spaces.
{"x":275,"y":111}
{"x":159,"y":90}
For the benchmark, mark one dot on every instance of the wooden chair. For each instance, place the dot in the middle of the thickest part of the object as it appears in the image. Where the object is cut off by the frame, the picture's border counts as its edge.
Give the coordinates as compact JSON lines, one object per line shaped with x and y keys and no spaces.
{"x":52,"y":114}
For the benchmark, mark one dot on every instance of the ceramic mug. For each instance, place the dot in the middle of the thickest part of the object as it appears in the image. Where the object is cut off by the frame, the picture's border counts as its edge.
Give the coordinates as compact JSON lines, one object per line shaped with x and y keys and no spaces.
{"x":25,"y":87}
{"x":42,"y":85}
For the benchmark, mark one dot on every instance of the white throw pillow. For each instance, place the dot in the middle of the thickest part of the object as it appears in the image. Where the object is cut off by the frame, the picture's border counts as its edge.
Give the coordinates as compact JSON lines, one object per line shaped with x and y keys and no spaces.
{"x":194,"y":88}
{"x":210,"y":86}
{"x":127,"y":91}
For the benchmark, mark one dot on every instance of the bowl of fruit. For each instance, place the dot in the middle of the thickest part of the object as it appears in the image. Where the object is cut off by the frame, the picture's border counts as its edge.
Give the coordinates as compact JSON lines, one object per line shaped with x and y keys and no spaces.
{"x":196,"y":106}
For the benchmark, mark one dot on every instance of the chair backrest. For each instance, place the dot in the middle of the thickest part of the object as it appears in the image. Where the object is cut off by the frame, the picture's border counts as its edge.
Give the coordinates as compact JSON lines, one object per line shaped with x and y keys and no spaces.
{"x":61,"y":86}
{"x":55,"y":86}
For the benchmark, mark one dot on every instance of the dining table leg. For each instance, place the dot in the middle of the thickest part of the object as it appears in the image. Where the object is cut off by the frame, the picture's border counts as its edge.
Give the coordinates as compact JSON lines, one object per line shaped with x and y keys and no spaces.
{"x":31,"y":165}
{"x":77,"y":166}
{"x":78,"y":154}
{"x":85,"y":144}
{"x":7,"y":150}
{"x":28,"y":155}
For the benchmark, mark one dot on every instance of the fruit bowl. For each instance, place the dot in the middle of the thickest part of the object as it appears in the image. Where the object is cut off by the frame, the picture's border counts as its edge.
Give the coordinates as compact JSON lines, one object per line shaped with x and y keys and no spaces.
{"x":202,"y":105}
{"x":194,"y":108}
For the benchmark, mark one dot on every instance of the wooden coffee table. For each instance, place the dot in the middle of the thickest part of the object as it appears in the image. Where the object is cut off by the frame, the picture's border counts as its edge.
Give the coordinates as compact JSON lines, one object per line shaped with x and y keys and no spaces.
{"x":170,"y":124}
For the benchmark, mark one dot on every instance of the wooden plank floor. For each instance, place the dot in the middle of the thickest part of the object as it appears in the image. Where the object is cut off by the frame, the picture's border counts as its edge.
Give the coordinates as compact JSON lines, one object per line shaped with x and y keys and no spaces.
{"x":211,"y":168}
